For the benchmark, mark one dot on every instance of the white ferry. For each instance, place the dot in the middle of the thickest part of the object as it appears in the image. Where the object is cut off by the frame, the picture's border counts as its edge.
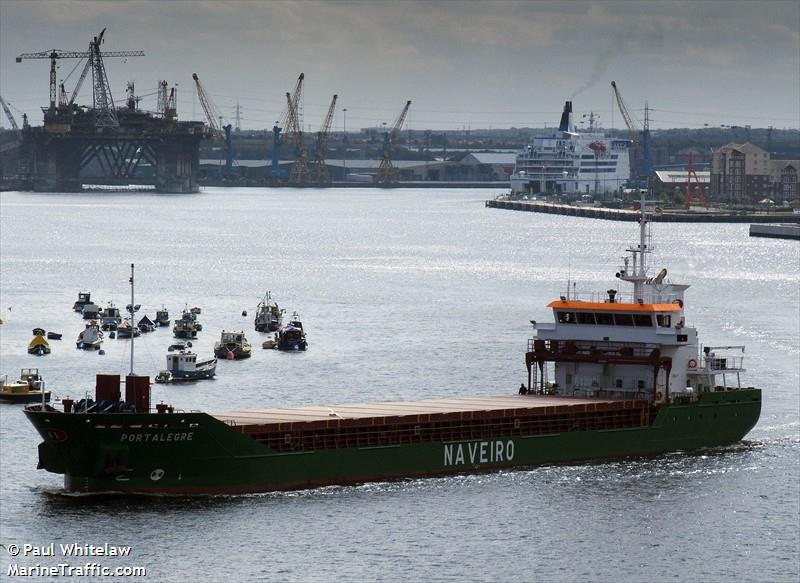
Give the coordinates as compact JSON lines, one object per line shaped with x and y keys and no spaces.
{"x":569,"y":162}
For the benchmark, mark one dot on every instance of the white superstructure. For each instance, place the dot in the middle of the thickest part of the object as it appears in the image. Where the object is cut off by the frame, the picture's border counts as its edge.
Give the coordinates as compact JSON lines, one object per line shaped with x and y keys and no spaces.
{"x":634,"y":345}
{"x":568,"y":161}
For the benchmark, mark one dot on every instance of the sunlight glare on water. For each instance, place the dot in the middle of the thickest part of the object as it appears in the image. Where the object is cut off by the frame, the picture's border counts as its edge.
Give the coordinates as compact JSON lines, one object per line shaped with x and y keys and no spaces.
{"x":405,"y":294}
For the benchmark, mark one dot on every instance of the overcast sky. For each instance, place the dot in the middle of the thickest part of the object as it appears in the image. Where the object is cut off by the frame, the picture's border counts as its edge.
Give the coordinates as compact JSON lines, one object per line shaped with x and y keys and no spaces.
{"x":463,"y":64}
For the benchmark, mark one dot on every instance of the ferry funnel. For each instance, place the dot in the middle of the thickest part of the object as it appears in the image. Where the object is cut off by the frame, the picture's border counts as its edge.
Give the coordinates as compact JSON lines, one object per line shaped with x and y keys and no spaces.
{"x":566,"y":118}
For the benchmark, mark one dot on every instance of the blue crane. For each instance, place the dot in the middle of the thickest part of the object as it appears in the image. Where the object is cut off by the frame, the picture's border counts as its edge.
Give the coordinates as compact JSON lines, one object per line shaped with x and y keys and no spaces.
{"x":640,"y":138}
{"x":221,"y":133}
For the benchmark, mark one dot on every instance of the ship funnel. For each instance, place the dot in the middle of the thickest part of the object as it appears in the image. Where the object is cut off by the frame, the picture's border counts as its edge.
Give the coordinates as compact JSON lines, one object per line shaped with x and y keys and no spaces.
{"x":107,"y":388}
{"x":566,"y":118}
{"x":137,"y":391}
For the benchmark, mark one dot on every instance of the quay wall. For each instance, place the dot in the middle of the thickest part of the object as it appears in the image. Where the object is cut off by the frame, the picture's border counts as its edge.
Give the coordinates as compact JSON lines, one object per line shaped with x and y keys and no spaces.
{"x":631,"y":215}
{"x":776,"y":231}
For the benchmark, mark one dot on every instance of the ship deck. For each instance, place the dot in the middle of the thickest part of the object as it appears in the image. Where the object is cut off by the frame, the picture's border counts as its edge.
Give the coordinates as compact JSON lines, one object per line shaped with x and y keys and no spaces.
{"x":483,"y":406}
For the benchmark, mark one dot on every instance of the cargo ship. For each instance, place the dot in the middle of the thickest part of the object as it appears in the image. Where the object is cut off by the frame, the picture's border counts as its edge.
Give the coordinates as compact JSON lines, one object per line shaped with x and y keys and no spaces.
{"x":613,"y":375}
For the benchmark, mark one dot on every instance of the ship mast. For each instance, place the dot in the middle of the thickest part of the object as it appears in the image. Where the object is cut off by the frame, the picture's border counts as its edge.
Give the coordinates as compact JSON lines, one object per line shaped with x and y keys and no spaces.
{"x":638,"y":276}
{"x":131,"y":309}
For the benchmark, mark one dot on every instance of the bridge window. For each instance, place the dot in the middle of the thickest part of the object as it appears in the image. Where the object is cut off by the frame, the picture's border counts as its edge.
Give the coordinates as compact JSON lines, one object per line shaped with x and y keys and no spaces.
{"x":664,"y":320}
{"x":566,"y":317}
{"x":623,"y":319}
{"x":643,"y":320}
{"x":604,"y":319}
{"x":585,"y":317}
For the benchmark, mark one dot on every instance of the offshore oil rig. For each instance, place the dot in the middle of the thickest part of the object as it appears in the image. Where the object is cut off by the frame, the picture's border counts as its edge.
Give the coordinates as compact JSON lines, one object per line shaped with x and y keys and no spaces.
{"x":103,"y":143}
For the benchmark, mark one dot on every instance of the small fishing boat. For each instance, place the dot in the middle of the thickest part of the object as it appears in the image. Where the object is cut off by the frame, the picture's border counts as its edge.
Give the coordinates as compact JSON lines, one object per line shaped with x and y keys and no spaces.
{"x":125,"y":330}
{"x":83,"y":299}
{"x":268,"y":315}
{"x":179,"y":346}
{"x":54,"y":336}
{"x":162,"y":317}
{"x":196,"y":311}
{"x":183,"y":366}
{"x":295,"y":321}
{"x":232,"y":346}
{"x":39,"y":346}
{"x":91,"y":311}
{"x":110,"y":318}
{"x":270,"y":342}
{"x":28,"y":389}
{"x":91,"y":337}
{"x":187,"y":326}
{"x":292,"y":337}
{"x":146,"y":325}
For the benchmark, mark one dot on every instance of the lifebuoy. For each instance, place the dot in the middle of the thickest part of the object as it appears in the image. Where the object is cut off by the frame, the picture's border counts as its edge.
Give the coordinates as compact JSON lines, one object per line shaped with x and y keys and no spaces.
{"x":692,"y":363}
{"x":658,"y":396}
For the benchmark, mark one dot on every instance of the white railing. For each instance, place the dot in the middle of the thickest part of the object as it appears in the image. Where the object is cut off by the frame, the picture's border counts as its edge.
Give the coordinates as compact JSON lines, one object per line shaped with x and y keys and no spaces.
{"x":620,"y":298}
{"x":724,"y":363}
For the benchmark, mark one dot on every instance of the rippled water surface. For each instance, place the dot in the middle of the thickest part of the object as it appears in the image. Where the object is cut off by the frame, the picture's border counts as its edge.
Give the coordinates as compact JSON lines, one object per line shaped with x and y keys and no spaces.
{"x":405,"y":294}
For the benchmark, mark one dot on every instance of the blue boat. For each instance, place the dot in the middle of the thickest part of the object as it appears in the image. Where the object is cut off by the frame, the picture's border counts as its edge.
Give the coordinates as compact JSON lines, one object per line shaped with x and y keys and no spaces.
{"x":183,"y":366}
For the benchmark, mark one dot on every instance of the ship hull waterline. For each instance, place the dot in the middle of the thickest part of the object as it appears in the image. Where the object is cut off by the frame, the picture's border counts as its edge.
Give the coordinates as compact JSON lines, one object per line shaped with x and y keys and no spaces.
{"x":195,"y":453}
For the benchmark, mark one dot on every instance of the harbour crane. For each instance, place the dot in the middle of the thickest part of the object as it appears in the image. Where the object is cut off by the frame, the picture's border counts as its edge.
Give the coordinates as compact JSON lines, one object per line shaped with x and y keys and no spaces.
{"x":690,"y":172}
{"x":387,"y":173}
{"x":10,"y":117}
{"x":94,"y":61}
{"x":293,"y":133}
{"x":15,"y":142}
{"x":279,"y":137}
{"x":640,"y":138}
{"x":221,"y":133}
{"x":322,"y":175}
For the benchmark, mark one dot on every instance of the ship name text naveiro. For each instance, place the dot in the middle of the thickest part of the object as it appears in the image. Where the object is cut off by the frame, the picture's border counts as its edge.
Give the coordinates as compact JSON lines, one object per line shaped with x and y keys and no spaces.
{"x":478,"y":452}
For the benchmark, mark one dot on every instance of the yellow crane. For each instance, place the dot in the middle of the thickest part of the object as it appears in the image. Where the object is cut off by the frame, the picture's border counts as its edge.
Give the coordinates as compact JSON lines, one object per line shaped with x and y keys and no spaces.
{"x":322,"y":175}
{"x":293,"y":133}
{"x":387,"y":173}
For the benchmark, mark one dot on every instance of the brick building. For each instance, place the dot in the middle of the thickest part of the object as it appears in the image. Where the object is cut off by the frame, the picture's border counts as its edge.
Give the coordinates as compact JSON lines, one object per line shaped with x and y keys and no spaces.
{"x":745,"y":174}
{"x":784,"y":178}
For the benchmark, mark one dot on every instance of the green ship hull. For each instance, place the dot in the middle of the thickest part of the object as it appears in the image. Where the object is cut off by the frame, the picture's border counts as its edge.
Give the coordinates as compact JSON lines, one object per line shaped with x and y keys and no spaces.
{"x":195,"y":453}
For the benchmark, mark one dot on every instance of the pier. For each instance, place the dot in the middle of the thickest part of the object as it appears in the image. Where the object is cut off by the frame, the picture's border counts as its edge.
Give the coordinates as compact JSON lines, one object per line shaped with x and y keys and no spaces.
{"x":776,"y":231}
{"x":592,"y":212}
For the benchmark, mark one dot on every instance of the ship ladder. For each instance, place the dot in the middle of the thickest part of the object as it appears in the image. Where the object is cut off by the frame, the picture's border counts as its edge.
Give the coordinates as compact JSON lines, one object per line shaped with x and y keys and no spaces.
{"x":538,"y":383}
